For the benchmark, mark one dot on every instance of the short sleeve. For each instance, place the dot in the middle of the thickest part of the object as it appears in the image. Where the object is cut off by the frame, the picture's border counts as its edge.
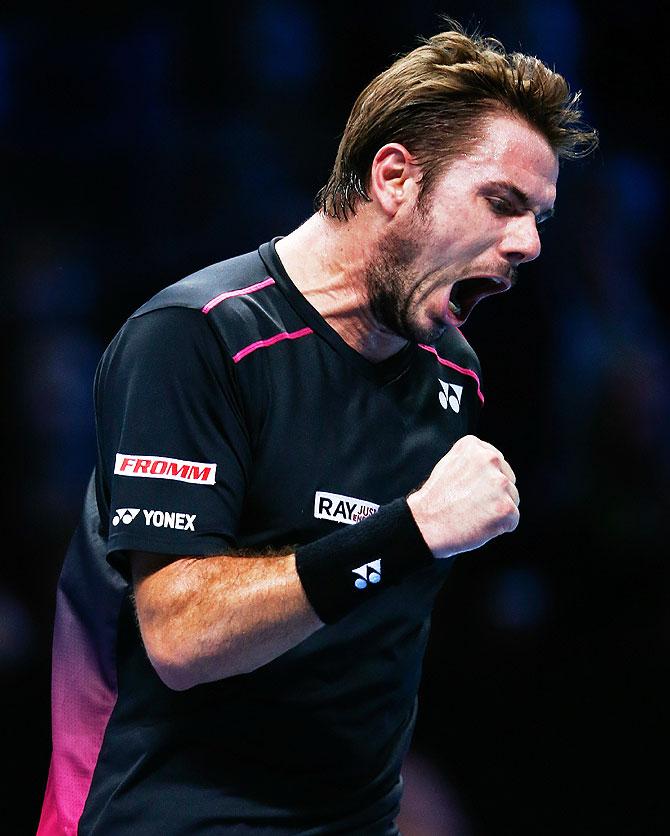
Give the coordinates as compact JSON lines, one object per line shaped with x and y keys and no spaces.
{"x":174,"y":452}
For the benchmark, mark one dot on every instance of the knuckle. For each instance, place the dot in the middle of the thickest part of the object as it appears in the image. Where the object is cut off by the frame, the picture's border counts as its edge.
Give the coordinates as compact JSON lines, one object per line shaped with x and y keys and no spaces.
{"x":506,"y":509}
{"x":514,"y":519}
{"x":502,"y":510}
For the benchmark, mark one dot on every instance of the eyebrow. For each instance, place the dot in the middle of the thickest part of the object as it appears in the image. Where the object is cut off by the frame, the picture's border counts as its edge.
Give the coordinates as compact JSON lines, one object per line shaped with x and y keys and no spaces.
{"x":522,"y":198}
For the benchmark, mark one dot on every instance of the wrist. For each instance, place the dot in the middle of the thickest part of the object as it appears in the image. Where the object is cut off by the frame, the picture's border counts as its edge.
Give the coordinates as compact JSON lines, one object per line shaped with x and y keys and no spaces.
{"x":348,"y":567}
{"x":431,"y":528}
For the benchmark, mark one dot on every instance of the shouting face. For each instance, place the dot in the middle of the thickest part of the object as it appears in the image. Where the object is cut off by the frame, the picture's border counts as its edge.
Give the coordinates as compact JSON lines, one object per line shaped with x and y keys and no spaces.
{"x":464,"y":240}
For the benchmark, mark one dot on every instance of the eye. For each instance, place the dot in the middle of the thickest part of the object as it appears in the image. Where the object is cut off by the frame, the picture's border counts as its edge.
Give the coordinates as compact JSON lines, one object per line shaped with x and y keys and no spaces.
{"x":500,"y":206}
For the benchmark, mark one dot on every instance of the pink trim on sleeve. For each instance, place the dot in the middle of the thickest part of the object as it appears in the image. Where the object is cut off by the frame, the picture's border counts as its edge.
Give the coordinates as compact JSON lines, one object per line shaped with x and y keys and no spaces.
{"x":460,"y":369}
{"x":284,"y":335}
{"x":229,"y":294}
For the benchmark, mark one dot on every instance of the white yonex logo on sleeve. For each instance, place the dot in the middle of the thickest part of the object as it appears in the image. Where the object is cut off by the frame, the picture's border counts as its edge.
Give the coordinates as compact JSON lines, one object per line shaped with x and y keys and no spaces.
{"x":342,"y":509}
{"x":158,"y":519}
{"x":125,"y":515}
{"x":368,"y":573}
{"x":169,"y":519}
{"x":450,"y":396}
{"x":159,"y":467}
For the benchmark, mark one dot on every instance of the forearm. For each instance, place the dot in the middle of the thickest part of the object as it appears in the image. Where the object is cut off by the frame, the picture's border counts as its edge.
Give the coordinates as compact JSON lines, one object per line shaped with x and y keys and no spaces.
{"x":209,"y":618}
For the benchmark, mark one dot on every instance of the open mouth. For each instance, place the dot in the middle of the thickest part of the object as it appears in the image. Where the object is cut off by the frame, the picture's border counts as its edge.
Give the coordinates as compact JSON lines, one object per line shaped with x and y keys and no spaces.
{"x":465,"y":294}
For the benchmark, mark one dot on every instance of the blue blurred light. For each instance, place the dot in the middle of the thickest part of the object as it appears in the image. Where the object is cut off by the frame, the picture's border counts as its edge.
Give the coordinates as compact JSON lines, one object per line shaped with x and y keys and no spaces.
{"x":5,"y":86}
{"x":555,"y":30}
{"x":285,"y":37}
{"x":519,"y":599}
{"x":17,"y":631}
{"x":638,"y":188}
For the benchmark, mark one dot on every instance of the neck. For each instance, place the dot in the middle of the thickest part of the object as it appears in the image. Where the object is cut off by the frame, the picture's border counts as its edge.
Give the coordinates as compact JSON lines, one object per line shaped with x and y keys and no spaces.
{"x":326,"y":260}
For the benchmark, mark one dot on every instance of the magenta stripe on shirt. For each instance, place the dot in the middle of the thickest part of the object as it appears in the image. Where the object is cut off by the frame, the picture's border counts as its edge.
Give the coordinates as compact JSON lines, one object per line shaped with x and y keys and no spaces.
{"x":284,"y":335}
{"x":229,"y":294}
{"x":453,"y":366}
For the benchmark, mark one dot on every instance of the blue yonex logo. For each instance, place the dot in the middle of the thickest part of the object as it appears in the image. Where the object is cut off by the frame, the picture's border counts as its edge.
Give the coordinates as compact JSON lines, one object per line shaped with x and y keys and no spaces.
{"x":368,"y":573}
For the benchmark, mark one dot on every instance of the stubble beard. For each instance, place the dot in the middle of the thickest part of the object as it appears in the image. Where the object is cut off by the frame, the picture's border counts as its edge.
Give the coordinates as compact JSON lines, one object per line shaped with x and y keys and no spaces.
{"x":391,"y":282}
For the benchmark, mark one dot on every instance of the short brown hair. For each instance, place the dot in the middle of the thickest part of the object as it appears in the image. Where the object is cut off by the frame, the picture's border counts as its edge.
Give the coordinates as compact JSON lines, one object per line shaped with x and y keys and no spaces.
{"x":432,"y":99}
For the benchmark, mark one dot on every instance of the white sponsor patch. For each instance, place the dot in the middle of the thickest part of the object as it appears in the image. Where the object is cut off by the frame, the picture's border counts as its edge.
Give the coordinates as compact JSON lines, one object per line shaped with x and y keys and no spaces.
{"x":342,"y":509}
{"x":158,"y":467}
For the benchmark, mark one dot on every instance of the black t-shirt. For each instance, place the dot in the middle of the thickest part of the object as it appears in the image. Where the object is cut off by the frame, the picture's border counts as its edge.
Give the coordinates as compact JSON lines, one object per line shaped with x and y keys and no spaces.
{"x":229,"y":414}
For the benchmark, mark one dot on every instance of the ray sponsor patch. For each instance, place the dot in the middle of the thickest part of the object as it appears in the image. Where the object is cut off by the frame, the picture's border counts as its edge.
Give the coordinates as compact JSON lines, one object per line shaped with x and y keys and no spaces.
{"x":342,"y":509}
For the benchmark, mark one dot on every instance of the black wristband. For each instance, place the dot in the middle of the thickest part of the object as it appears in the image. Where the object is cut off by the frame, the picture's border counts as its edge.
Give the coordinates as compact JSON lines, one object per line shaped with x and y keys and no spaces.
{"x":344,"y":569}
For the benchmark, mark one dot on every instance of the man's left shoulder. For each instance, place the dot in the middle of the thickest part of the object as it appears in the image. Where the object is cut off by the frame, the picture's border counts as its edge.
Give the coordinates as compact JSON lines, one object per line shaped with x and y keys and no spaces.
{"x":452,"y":351}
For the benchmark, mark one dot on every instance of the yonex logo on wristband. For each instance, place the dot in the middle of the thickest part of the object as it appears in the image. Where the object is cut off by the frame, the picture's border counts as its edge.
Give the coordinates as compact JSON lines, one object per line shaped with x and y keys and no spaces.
{"x":334,"y":588}
{"x":368,"y":573}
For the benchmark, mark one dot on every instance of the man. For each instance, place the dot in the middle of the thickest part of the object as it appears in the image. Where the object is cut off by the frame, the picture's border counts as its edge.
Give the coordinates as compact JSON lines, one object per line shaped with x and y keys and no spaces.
{"x":243,"y":611}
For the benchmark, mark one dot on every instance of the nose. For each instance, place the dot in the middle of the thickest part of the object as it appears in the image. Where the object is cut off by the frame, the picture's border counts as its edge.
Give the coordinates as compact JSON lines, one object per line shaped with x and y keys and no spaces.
{"x":522,"y":240}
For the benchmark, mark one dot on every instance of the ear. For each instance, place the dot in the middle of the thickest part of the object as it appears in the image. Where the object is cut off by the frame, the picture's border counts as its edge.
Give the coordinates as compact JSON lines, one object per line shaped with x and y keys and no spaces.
{"x":393,"y":177}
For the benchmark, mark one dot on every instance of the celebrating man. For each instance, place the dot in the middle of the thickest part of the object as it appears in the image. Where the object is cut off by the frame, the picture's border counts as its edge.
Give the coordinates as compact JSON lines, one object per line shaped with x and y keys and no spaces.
{"x":243,"y":611}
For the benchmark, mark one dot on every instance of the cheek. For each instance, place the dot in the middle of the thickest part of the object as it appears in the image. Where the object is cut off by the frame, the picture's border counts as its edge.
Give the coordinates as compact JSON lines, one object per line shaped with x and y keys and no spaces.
{"x":456,"y":236}
{"x":479,"y":232}
{"x":463,"y":231}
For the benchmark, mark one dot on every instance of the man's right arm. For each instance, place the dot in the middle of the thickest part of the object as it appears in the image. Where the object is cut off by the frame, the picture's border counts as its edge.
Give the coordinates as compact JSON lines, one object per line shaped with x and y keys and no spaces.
{"x":208,"y":618}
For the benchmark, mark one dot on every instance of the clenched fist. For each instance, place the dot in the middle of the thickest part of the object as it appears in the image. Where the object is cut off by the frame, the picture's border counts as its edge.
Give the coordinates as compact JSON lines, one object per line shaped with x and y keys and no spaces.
{"x":469,"y":498}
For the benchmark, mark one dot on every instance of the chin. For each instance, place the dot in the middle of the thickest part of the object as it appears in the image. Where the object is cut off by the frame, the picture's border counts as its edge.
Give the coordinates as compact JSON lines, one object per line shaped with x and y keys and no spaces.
{"x":430,"y":333}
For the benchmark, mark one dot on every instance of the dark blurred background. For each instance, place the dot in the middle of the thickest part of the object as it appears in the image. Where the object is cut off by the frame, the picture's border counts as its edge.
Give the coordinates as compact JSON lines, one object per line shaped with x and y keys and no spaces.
{"x":142,"y":143}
